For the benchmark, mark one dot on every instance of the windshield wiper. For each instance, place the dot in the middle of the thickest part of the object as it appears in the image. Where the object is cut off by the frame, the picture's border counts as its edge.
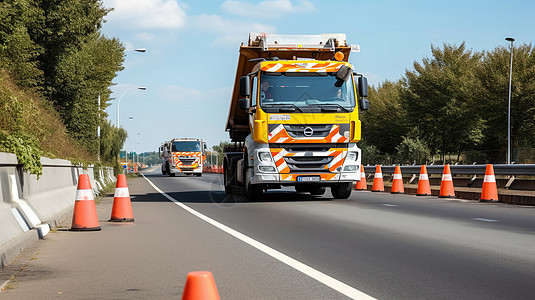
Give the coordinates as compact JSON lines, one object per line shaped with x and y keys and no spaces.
{"x":326,"y":105}
{"x":287,"y":106}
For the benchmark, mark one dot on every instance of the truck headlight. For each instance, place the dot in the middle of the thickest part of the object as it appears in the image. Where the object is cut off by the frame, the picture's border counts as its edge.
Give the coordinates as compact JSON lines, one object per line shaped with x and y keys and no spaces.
{"x":265,"y":156}
{"x":266,"y":168}
{"x":352,"y":156}
{"x":350,"y":168}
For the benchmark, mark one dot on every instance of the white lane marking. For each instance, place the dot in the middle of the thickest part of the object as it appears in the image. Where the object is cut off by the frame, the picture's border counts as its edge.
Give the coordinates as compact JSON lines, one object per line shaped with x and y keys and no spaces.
{"x":485,"y":220}
{"x":299,"y":266}
{"x":389,"y":205}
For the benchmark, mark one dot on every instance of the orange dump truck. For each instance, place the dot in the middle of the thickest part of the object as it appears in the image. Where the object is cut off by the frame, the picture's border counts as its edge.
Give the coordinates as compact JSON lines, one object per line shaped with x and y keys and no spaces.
{"x":294,"y":116}
{"x":183,"y":156}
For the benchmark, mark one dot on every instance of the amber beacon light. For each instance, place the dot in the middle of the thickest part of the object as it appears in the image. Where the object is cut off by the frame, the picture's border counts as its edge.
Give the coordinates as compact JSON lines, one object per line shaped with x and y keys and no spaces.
{"x":339,"y":56}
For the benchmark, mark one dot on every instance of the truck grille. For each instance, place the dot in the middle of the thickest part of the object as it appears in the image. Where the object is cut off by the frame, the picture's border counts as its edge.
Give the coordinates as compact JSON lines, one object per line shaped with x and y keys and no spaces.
{"x":308,"y":164}
{"x":298,"y":131}
{"x":187,"y":161}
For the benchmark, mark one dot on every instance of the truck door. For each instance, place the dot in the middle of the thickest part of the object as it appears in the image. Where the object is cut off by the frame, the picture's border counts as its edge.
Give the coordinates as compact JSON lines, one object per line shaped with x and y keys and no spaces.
{"x":253,"y":99}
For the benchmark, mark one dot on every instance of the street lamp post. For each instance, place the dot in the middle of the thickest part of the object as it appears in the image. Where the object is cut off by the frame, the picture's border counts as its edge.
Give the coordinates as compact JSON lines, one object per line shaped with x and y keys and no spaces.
{"x":509,"y":39}
{"x":119,"y":101}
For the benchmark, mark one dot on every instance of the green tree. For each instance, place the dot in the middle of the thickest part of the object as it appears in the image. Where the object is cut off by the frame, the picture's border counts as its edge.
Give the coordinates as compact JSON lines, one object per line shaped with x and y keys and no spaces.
{"x":64,"y":27}
{"x":495,"y":80}
{"x":18,"y":52}
{"x":384,"y":124}
{"x":412,"y":150}
{"x":441,"y":97}
{"x":111,"y":142}
{"x":220,"y":150}
{"x":85,"y":74}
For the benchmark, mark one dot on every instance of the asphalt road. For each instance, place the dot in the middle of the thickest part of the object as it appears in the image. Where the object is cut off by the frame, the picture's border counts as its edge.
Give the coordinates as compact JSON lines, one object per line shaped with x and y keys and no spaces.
{"x":288,"y":246}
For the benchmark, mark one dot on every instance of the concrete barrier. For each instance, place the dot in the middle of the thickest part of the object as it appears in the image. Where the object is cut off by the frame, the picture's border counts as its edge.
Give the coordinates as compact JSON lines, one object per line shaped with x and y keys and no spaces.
{"x":29,"y":207}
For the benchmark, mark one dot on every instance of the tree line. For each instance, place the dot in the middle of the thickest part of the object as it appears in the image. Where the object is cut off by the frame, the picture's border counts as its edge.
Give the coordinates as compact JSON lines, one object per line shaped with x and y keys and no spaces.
{"x":55,"y":49}
{"x":453,"y":105}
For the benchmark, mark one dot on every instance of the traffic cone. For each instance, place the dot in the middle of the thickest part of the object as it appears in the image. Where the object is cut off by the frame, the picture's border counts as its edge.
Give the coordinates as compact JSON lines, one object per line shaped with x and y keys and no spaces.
{"x":200,"y":285}
{"x":362,"y":185}
{"x":424,"y":189}
{"x":84,"y":217}
{"x":378,"y":185}
{"x":446,"y":185}
{"x":397,"y":183}
{"x":489,"y":191}
{"x":122,"y":208}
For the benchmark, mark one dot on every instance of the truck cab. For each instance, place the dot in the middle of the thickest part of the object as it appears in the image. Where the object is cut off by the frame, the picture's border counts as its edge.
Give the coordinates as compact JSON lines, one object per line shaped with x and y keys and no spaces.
{"x":183,"y":156}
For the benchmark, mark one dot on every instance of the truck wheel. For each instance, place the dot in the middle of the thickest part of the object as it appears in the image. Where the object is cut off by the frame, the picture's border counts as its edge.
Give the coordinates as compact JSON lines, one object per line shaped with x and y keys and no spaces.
{"x":341,"y":190}
{"x":252,"y":191}
{"x":198,"y":174}
{"x":228,"y":188}
{"x":318,"y":191}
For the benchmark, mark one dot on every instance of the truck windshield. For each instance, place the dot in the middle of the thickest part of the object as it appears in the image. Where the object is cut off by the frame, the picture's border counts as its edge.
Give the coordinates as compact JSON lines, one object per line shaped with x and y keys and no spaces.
{"x":186,"y":146}
{"x":302,"y":90}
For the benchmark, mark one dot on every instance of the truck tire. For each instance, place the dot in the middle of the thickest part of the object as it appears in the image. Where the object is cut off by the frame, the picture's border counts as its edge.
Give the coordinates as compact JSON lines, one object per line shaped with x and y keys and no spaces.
{"x":252,"y":191}
{"x":341,"y":190}
{"x":317,"y":191}
{"x":226,"y":183}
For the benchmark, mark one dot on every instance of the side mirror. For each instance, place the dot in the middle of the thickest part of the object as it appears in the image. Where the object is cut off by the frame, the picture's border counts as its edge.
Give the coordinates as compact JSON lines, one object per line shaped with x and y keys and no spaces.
{"x":363,"y":87}
{"x":245,"y":86}
{"x":243,"y":104}
{"x":364,"y":104}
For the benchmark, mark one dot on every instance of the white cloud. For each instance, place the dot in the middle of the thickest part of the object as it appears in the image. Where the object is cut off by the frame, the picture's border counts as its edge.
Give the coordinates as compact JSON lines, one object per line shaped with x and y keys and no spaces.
{"x":145,"y":14}
{"x":228,"y":32}
{"x":266,"y":9}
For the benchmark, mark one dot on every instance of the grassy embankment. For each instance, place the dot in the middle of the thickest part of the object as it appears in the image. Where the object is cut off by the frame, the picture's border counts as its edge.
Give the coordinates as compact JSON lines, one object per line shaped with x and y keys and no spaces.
{"x":30,"y":127}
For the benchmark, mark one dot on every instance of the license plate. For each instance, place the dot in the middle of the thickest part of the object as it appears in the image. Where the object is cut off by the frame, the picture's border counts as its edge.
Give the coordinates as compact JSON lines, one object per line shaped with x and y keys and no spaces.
{"x":308,"y":178}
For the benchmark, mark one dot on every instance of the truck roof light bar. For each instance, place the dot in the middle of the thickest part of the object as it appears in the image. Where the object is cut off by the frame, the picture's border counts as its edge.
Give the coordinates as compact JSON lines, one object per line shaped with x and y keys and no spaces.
{"x":269,"y":41}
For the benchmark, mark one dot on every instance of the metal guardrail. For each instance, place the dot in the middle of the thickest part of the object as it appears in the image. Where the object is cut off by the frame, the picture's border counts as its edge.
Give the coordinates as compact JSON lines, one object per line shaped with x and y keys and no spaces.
{"x":514,"y":170}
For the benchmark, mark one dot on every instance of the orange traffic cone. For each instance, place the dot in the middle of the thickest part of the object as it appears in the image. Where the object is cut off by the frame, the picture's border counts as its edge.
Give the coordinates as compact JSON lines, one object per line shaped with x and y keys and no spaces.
{"x":200,"y":285}
{"x":84,"y":217}
{"x":378,"y":185}
{"x":489,"y":191}
{"x":397,"y":183}
{"x":446,"y":185}
{"x":362,"y":185}
{"x":122,"y":208}
{"x":424,"y":189}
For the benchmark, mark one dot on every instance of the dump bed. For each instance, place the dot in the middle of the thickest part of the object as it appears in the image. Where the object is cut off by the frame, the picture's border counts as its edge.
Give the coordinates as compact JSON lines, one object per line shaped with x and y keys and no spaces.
{"x":285,"y":47}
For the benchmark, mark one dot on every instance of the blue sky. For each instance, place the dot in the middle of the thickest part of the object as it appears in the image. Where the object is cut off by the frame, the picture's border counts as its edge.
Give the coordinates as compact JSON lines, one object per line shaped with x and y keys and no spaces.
{"x":192,"y":49}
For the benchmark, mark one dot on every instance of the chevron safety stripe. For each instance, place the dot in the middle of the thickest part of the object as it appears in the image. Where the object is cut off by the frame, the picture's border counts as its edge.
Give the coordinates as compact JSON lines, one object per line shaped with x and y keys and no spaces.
{"x":337,"y":161}
{"x":302,"y":66}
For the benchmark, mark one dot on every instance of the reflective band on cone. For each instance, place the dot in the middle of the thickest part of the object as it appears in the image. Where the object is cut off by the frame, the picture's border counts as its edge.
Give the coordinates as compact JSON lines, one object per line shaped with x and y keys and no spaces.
{"x":121,"y":192}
